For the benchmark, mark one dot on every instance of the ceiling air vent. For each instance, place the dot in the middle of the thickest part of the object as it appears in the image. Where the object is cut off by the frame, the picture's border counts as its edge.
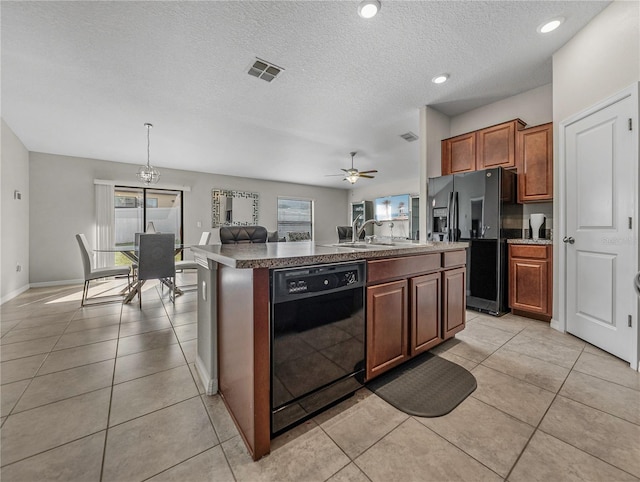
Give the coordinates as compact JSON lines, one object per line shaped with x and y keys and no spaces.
{"x":264,"y":70}
{"x":409,"y":136}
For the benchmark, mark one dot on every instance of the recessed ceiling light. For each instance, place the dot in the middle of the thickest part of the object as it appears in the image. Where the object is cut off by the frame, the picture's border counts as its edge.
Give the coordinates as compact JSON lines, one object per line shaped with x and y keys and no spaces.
{"x":440,"y":79}
{"x":369,"y":8}
{"x":551,"y":25}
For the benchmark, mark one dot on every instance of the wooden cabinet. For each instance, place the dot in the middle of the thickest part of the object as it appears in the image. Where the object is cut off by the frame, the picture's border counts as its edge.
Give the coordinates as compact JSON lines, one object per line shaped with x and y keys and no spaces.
{"x":426,"y":329}
{"x":493,"y":146}
{"x":530,"y":280}
{"x":497,"y":145}
{"x":387,"y":326}
{"x":408,"y":301}
{"x":534,"y":159}
{"x":454,"y":301}
{"x":459,"y":154}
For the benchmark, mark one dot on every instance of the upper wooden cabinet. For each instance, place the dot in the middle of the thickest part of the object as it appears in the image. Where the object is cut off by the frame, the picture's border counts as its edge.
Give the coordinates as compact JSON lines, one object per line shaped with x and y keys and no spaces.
{"x":497,"y":145}
{"x":534,"y":159}
{"x":459,"y":154}
{"x":489,"y":147}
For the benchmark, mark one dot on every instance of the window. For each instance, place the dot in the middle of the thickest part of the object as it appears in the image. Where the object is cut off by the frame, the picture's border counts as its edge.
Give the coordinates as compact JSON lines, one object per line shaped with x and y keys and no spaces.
{"x":295,"y":216}
{"x":135,"y":207}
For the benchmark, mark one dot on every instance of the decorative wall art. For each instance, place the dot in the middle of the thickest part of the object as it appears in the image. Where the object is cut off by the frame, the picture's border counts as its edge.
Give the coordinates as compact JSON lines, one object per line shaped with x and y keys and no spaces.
{"x":233,"y":208}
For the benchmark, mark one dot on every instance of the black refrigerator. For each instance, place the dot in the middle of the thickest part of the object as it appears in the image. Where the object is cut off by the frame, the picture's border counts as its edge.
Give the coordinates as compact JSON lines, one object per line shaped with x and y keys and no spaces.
{"x":479,"y":208}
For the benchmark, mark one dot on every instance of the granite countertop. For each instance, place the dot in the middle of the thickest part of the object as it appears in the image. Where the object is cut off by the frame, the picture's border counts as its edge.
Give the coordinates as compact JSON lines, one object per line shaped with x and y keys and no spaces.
{"x":529,"y":241}
{"x":281,"y":255}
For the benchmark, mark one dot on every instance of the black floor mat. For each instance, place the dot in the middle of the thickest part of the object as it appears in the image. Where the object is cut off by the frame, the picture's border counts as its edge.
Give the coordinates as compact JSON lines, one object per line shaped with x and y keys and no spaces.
{"x":426,"y":386}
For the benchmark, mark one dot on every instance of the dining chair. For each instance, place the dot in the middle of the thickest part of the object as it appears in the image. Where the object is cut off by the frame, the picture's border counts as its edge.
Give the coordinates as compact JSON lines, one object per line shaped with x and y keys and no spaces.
{"x":91,"y":273}
{"x":189,"y":263}
{"x":243,"y":234}
{"x":156,"y":261}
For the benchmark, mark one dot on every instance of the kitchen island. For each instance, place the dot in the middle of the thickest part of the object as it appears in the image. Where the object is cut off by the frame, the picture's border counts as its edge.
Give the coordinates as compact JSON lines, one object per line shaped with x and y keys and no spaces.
{"x":412,"y":284}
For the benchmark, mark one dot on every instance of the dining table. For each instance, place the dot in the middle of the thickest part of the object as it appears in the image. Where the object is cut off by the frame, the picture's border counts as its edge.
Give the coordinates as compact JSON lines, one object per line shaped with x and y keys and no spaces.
{"x":131,"y":252}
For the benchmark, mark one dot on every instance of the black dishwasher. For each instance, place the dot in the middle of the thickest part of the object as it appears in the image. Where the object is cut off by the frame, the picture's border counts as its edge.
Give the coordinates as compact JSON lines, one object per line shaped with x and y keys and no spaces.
{"x":317,"y":339}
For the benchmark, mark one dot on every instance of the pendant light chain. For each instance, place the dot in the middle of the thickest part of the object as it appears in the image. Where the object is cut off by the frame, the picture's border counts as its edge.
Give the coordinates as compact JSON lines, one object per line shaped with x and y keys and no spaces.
{"x":148,"y":174}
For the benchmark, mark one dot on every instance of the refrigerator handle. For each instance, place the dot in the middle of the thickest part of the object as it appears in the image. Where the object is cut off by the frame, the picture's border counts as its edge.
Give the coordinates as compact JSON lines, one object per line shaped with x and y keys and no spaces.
{"x":449,"y":216}
{"x":456,"y":235}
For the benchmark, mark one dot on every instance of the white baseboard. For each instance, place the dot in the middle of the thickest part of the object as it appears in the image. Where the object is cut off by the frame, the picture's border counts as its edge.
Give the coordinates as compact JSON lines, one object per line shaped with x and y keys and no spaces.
{"x":45,"y":284}
{"x":556,"y":325}
{"x":210,"y":384}
{"x":13,"y":294}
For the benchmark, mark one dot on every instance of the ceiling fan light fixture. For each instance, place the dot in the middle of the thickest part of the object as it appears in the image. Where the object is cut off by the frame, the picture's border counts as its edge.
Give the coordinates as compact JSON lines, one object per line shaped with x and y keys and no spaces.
{"x":440,"y":79}
{"x":550,"y":25}
{"x":369,"y":8}
{"x":352,"y":178}
{"x":148,"y":174}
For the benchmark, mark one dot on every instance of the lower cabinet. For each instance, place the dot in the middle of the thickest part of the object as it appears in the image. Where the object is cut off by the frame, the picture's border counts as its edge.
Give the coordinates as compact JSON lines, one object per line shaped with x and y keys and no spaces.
{"x":426,"y":330}
{"x":454,"y":301}
{"x":410,"y":315}
{"x":387,"y":326}
{"x":530,"y":280}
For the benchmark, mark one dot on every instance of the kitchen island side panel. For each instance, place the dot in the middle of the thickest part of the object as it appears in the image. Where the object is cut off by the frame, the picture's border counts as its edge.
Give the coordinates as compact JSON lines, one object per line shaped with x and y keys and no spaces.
{"x":243,"y":352}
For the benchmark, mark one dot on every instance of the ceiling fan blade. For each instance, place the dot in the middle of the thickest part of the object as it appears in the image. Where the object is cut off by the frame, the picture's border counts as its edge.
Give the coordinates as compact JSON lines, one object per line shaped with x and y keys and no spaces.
{"x":367,"y":176}
{"x":368,"y":172}
{"x":345,"y":170}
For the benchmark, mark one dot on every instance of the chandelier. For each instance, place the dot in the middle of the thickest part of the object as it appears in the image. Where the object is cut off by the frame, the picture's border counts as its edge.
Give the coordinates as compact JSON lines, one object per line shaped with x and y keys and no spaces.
{"x":148,"y":174}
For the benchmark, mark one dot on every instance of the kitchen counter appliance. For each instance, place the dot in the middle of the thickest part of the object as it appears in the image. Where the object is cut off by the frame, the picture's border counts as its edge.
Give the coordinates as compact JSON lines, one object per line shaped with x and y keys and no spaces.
{"x":317,"y":339}
{"x":478,"y":207}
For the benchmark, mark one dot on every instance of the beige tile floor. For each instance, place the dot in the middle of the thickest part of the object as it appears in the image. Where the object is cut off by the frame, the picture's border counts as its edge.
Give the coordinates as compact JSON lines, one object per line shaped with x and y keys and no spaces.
{"x":109,"y":393}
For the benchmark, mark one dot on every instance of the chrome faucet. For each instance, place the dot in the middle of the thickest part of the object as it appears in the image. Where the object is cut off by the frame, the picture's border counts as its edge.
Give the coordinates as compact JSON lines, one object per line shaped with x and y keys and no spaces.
{"x":356,"y":232}
{"x":354,"y":228}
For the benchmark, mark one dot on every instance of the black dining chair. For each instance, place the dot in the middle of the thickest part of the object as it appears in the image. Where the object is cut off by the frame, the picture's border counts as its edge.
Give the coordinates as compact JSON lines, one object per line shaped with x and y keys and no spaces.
{"x":156,"y":261}
{"x":243,"y":234}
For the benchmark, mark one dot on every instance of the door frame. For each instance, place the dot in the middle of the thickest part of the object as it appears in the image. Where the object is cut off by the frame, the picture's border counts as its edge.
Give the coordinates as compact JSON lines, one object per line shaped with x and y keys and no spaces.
{"x":560,"y":323}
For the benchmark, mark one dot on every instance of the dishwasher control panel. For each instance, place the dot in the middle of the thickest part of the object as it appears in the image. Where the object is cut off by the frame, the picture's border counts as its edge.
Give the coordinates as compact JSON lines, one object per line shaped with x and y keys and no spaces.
{"x":290,"y":283}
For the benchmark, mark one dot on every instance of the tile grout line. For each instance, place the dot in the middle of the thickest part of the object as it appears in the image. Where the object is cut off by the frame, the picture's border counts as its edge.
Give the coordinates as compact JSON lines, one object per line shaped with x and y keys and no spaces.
{"x":537,"y":427}
{"x":213,"y":427}
{"x":35,"y":374}
{"x":113,"y":376}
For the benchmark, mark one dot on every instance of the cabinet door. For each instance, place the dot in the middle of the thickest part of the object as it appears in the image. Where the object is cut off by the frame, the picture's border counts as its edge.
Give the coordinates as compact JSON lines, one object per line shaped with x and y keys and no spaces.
{"x":387,"y":327}
{"x":497,"y":145}
{"x":453,"y":301}
{"x":459,"y":154}
{"x":426,"y":331}
{"x":529,"y":288}
{"x":534,"y":152}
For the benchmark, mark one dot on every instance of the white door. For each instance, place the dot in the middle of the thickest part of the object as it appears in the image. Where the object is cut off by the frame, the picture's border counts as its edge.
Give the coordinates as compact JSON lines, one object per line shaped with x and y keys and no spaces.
{"x":599,"y":240}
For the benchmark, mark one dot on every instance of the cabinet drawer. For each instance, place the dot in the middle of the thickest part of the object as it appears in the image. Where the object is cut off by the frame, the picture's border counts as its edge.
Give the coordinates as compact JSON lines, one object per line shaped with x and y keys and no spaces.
{"x":454,"y":258}
{"x":388,"y":269}
{"x":528,"y":251}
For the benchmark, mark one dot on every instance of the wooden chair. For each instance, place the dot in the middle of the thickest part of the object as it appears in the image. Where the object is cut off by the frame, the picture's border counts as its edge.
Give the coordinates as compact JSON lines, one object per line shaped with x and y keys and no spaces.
{"x":91,"y":273}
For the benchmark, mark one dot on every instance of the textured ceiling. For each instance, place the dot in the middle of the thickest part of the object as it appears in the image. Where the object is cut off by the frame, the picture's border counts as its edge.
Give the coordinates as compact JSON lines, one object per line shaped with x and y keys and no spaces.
{"x":81,"y":78}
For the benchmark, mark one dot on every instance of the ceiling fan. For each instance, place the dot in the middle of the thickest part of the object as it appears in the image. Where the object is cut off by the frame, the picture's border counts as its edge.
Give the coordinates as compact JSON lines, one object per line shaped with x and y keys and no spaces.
{"x":352,"y":175}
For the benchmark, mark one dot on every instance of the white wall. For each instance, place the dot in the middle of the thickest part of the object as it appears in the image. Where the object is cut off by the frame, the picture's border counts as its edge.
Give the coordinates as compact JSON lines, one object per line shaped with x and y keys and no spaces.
{"x":599,"y":61}
{"x":534,"y":107}
{"x":14,"y":226}
{"x":64,"y":204}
